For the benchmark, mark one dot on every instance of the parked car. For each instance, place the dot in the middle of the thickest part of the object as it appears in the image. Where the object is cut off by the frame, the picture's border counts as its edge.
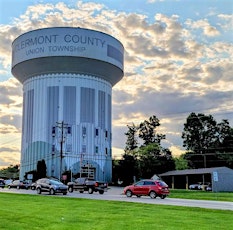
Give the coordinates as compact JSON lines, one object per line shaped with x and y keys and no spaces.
{"x":84,"y":184}
{"x":195,"y":186}
{"x":149,"y":187}
{"x":33,"y":185}
{"x":2,"y":183}
{"x":19,"y":184}
{"x":8,"y":181}
{"x":205,"y":186}
{"x":50,"y":185}
{"x":209,"y":188}
{"x":201,"y":186}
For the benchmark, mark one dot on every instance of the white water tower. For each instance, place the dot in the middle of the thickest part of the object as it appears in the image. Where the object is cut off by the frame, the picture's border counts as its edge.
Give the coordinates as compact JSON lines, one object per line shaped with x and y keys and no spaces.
{"x":67,"y":76}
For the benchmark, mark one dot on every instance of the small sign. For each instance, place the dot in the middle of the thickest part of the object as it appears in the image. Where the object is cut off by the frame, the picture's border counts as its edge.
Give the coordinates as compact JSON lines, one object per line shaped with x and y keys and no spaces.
{"x":215,"y":176}
{"x":29,"y":176}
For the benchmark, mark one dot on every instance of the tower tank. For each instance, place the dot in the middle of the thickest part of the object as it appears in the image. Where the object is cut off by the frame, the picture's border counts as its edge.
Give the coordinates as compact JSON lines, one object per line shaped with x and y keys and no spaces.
{"x":67,"y":75}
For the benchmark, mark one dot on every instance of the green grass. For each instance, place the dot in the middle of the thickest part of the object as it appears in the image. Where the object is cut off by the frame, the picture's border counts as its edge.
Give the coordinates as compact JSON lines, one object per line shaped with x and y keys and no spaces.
{"x":20,"y":212}
{"x":201,"y":195}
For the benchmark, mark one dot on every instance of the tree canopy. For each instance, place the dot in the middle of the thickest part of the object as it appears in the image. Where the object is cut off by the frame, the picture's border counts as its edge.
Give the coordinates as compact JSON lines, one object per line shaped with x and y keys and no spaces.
{"x":145,"y":159}
{"x":209,"y":144}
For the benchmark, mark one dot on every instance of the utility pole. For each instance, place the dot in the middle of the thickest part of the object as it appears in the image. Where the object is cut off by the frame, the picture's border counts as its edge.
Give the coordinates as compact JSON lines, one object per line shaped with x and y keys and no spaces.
{"x":62,"y":126}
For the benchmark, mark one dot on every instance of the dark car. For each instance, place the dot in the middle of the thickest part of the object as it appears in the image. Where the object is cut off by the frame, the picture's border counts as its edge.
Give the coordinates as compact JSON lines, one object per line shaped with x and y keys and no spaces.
{"x":2,"y":183}
{"x":19,"y":184}
{"x":152,"y":188}
{"x":84,"y":184}
{"x":33,"y":185}
{"x":51,"y":186}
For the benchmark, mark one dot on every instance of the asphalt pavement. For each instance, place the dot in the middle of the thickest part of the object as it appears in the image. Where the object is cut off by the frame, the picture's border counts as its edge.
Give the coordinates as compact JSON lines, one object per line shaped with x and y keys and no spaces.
{"x":116,"y":194}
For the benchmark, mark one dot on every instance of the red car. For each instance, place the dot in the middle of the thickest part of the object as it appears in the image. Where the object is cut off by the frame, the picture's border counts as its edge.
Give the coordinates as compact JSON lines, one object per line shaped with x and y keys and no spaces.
{"x":152,"y":188}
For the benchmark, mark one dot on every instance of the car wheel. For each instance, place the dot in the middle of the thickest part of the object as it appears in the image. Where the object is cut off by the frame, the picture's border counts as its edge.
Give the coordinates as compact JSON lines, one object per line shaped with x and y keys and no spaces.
{"x":90,"y":190}
{"x":38,"y":190}
{"x":9,"y":186}
{"x":101,"y":192}
{"x":153,"y":194}
{"x":163,"y":197}
{"x":70,"y":189}
{"x":51,"y":191}
{"x":18,"y":187}
{"x":129,"y":193}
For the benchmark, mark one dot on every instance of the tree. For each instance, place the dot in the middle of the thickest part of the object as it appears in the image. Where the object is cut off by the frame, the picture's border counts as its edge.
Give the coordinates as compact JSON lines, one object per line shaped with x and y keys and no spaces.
{"x":225,"y":147}
{"x":149,"y":163}
{"x":181,"y":163}
{"x":131,"y":142}
{"x":153,"y":159}
{"x":199,"y":133}
{"x":10,"y":172}
{"x":128,"y":169}
{"x":147,"y":131}
{"x":209,"y":144}
{"x":115,"y":170}
{"x":149,"y":158}
{"x":41,"y":169}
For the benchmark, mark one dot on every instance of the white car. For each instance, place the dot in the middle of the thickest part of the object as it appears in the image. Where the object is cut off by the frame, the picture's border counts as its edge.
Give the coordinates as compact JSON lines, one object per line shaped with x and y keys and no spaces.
{"x":195,"y":187}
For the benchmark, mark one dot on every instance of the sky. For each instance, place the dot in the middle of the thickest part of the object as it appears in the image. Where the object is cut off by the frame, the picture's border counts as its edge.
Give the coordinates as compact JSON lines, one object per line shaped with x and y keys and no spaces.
{"x":178,"y":60}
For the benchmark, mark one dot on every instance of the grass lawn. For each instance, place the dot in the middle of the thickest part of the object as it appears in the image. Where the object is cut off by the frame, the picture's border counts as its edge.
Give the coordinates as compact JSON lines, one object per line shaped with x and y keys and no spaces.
{"x":22,"y":212}
{"x":201,"y":195}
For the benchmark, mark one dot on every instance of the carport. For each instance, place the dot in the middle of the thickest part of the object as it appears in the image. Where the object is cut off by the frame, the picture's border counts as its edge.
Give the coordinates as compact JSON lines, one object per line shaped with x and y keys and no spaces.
{"x":221,"y":178}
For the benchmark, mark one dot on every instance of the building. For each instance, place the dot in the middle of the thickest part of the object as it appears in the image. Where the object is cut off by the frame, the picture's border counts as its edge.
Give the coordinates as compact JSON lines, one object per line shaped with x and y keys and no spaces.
{"x":67,"y":75}
{"x":221,"y":178}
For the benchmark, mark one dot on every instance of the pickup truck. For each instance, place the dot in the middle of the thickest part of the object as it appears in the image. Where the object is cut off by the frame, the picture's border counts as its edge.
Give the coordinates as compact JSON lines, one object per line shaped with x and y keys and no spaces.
{"x":84,"y":184}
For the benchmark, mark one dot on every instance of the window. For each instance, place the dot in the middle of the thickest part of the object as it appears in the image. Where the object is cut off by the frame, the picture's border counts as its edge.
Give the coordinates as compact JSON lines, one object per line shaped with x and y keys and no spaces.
{"x":69,"y":130}
{"x":140,"y":183}
{"x":97,"y":132}
{"x":53,"y":131}
{"x":68,"y":147}
{"x":149,"y":183}
{"x":84,"y":131}
{"x":96,"y":149}
{"x":84,"y":149}
{"x":106,"y":133}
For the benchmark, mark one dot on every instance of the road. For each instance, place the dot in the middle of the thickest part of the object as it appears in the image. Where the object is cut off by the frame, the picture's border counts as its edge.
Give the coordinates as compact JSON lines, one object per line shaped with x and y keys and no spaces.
{"x":115,"y":194}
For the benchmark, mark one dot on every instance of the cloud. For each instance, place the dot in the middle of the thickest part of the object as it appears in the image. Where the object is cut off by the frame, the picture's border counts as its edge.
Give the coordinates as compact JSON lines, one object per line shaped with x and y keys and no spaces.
{"x":204,"y":26}
{"x":172,"y":67}
{"x":226,"y":22}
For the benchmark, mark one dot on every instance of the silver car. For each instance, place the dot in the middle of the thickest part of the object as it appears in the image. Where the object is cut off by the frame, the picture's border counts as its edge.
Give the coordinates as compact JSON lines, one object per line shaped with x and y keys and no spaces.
{"x":50,"y":185}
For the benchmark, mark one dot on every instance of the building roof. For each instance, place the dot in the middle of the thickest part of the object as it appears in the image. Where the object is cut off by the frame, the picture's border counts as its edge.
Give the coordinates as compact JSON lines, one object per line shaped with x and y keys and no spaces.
{"x":195,"y":171}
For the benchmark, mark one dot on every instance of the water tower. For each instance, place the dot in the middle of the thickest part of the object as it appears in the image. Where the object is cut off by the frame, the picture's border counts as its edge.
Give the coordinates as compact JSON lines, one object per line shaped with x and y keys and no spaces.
{"x":67,"y":75}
